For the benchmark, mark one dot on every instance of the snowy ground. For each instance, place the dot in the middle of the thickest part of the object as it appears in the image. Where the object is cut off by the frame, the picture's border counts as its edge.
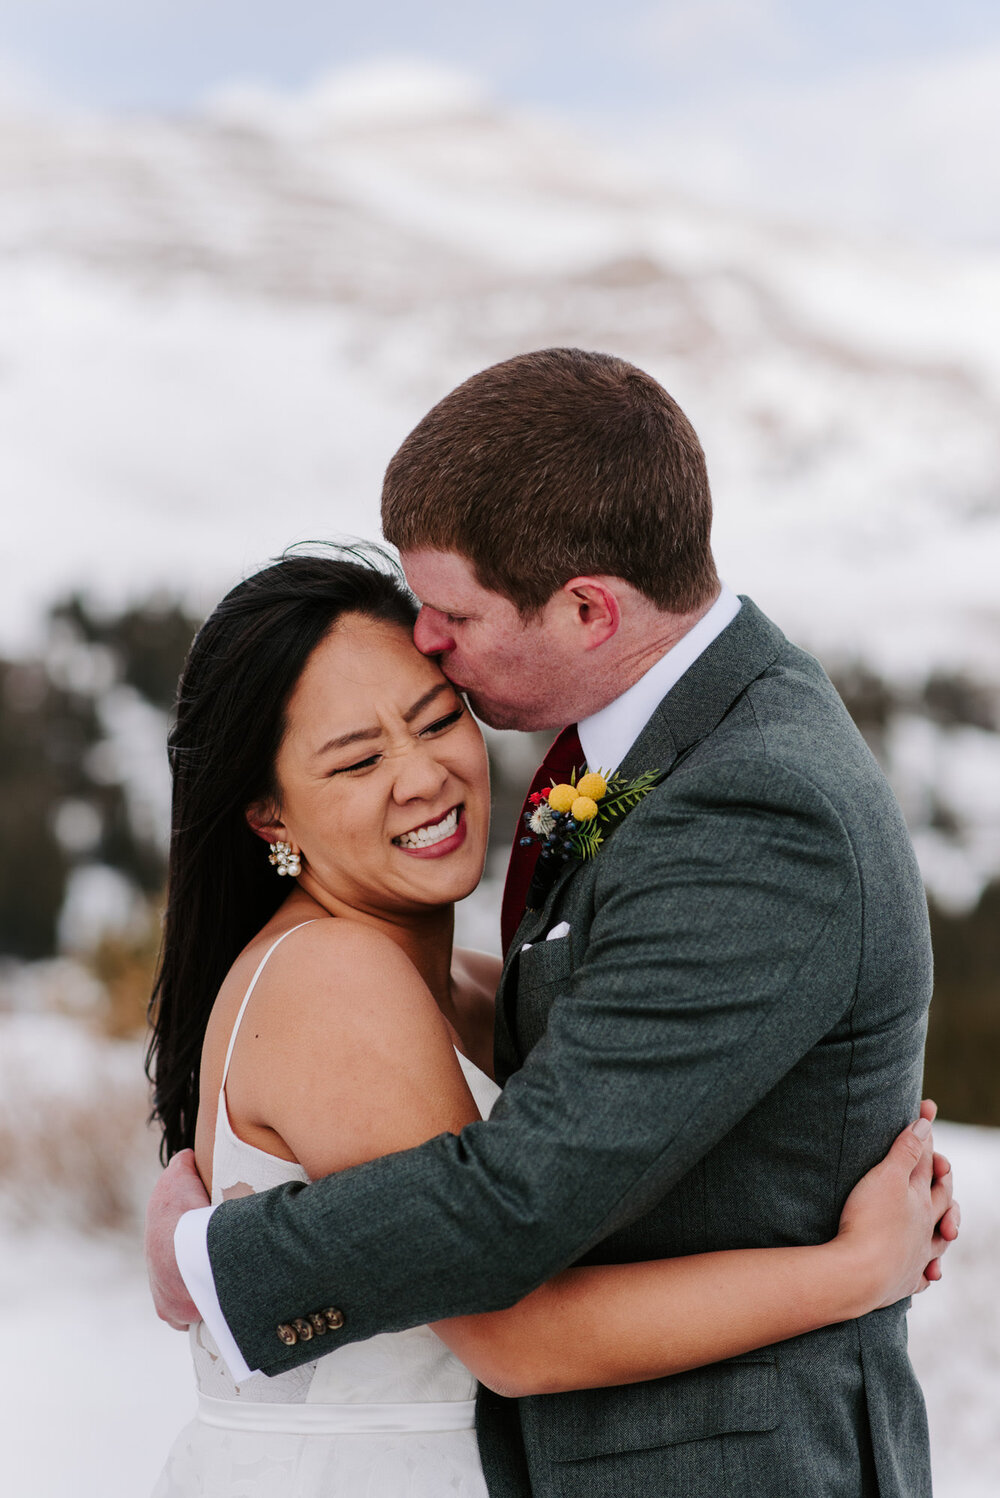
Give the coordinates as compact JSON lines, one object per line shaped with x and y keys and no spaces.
{"x":94,"y":1387}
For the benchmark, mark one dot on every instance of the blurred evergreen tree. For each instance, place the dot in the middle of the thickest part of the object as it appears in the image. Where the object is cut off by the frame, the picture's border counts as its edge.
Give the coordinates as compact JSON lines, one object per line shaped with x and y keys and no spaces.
{"x":45,"y":735}
{"x":963,"y":1041}
{"x":51,"y":733}
{"x":149,"y":641}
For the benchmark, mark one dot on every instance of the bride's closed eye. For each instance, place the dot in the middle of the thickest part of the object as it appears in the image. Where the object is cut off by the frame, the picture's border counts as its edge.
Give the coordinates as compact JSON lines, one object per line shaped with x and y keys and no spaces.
{"x":362,"y":764}
{"x":438,"y":726}
{"x":444,"y":722}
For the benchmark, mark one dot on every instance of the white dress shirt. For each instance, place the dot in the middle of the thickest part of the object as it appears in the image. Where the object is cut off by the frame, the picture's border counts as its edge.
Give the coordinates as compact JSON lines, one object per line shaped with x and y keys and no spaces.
{"x":606,"y":737}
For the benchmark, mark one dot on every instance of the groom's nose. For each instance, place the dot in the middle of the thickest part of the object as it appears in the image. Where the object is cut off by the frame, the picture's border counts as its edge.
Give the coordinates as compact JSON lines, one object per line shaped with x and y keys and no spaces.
{"x":431,"y":634}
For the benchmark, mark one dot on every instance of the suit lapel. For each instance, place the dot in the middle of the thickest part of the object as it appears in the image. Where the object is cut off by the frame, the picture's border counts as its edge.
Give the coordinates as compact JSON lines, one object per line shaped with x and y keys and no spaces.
{"x":709,"y":689}
{"x":690,"y":711}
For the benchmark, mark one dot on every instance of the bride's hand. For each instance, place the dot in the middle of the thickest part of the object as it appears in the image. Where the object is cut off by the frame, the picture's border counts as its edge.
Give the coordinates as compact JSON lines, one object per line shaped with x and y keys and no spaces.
{"x":901,"y":1216}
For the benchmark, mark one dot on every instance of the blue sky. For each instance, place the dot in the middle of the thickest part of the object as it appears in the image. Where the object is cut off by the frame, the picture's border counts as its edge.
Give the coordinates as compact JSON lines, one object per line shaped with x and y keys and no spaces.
{"x":576,"y":56}
{"x":828,"y":110}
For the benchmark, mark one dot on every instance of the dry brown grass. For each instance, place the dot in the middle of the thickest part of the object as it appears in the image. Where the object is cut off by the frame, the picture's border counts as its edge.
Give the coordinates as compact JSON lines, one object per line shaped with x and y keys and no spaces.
{"x":124,"y":967}
{"x":75,"y":1149}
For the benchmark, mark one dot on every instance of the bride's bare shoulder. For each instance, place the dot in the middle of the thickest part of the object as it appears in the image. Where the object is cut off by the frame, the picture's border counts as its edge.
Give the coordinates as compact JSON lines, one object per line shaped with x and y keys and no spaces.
{"x":337,"y":933}
{"x":347,"y":1055}
{"x":343,"y":960}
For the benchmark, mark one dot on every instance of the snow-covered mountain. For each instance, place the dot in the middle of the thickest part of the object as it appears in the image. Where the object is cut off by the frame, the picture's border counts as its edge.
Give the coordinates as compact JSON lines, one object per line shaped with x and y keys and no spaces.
{"x":215,"y":329}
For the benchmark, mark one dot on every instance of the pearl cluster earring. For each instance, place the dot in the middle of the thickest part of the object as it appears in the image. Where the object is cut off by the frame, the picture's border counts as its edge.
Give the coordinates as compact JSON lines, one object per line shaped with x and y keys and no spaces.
{"x":285,"y":860}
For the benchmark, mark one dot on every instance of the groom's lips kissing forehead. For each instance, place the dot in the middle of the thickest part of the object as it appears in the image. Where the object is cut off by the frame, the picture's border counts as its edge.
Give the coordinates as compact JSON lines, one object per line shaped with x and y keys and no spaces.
{"x":436,"y":836}
{"x":445,"y":666}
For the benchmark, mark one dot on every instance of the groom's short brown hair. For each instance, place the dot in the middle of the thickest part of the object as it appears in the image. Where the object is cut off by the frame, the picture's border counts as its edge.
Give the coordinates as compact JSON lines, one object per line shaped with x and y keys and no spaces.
{"x":556,"y":464}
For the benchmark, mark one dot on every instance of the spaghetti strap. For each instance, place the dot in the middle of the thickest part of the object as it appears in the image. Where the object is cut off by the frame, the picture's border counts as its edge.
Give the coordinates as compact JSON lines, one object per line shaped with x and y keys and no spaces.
{"x":253,"y":984}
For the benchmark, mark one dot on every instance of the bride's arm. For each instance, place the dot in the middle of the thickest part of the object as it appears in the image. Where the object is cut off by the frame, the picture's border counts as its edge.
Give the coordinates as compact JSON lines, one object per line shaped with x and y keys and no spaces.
{"x":618,"y":1324}
{"x":339,"y":1072}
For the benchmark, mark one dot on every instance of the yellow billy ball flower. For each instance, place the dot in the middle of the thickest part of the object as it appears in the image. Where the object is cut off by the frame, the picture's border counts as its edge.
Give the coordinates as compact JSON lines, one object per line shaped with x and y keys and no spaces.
{"x":584,"y":809}
{"x":593,"y":786}
{"x":561,"y":797}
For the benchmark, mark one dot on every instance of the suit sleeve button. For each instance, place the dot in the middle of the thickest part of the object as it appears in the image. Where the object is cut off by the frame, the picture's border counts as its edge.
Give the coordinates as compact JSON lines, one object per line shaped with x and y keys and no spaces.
{"x":287,"y":1334}
{"x":318,"y":1324}
{"x":303,"y":1328}
{"x":333,"y":1318}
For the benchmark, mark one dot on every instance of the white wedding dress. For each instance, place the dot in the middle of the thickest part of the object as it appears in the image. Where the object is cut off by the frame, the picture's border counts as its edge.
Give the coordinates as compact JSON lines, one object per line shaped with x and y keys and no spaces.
{"x":388,"y":1418}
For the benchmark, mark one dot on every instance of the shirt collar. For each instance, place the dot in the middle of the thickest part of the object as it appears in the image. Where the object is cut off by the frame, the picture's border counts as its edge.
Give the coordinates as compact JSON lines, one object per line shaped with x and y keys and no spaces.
{"x":608,"y":735}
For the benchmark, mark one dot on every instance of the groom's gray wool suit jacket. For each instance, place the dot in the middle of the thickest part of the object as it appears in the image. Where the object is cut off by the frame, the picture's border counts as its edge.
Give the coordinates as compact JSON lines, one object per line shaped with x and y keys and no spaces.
{"x":729,"y":1036}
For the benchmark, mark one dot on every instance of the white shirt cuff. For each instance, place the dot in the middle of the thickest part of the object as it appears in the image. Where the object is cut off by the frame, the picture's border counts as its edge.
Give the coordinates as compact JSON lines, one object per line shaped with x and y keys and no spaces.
{"x":191,"y":1252}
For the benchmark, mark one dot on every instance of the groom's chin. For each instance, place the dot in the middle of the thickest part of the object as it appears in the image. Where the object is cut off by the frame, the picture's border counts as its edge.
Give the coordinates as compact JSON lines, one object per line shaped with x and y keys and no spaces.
{"x":490,"y":713}
{"x":494,"y":714}
{"x":509,"y":716}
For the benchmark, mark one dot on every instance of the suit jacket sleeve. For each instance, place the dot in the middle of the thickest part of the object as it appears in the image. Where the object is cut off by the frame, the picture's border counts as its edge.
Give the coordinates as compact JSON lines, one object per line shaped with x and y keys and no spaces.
{"x":724,"y":945}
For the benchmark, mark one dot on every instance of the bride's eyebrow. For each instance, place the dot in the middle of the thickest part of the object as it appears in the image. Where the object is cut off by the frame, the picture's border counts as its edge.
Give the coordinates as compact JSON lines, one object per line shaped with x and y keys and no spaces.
{"x":426,"y":700}
{"x":365,"y":735}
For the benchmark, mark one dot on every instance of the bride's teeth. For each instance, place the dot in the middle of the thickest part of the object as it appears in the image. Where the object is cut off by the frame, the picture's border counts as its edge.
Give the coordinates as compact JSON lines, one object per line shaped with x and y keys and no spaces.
{"x":426,"y":837}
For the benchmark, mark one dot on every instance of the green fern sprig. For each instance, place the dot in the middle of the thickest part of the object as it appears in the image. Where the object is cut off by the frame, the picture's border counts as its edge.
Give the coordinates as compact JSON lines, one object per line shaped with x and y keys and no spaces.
{"x":587,"y":839}
{"x":621,"y":796}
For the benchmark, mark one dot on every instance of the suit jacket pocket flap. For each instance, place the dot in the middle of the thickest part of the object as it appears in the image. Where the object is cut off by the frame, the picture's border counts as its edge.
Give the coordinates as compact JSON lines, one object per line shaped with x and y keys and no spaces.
{"x":545,"y":962}
{"x":723,"y":1399}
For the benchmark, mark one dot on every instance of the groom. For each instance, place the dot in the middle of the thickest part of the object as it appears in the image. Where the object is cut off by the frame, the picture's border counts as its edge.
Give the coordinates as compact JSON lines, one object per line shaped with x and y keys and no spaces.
{"x":707,"y":1033}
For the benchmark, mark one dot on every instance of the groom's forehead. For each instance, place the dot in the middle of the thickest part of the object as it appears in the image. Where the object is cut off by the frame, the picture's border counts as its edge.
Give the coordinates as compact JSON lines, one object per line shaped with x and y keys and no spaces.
{"x":443,"y":579}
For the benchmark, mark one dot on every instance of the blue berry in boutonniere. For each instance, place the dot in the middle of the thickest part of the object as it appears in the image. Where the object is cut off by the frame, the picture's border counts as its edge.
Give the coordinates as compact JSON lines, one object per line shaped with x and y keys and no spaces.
{"x":568,"y":819}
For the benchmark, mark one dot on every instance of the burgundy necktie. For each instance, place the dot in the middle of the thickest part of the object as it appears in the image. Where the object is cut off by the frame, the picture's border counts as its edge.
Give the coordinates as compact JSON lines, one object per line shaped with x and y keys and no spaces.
{"x":564,"y":756}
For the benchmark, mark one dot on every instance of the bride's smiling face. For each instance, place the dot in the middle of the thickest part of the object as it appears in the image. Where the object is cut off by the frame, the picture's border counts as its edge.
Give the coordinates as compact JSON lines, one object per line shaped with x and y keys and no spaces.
{"x":382,"y":774}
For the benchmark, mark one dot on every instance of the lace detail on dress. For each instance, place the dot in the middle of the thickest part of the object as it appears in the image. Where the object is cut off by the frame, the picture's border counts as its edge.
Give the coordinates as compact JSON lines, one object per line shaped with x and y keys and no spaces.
{"x":214,"y":1378}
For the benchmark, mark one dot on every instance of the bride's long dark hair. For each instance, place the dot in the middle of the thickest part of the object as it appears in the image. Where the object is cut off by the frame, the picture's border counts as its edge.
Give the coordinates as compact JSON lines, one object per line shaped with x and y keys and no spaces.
{"x":230,"y":720}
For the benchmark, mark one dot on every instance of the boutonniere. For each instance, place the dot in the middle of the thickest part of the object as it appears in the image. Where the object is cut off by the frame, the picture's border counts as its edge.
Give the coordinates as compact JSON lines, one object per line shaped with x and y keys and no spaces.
{"x":568,"y":820}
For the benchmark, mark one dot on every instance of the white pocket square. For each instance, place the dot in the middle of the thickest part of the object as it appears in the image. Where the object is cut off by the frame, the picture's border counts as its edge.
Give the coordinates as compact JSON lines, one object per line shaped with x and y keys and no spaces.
{"x":556,"y":934}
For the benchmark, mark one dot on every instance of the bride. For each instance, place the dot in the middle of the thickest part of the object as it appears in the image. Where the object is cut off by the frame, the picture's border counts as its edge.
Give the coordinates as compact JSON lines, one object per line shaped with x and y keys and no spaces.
{"x":309,"y":1022}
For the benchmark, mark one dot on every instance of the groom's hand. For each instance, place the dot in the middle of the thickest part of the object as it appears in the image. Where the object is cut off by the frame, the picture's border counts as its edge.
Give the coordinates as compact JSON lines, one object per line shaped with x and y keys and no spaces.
{"x":178,"y":1190}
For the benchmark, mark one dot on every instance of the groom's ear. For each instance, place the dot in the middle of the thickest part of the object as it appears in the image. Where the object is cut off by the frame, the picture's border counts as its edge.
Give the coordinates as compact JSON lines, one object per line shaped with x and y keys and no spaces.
{"x":596,"y":611}
{"x":264,"y":819}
